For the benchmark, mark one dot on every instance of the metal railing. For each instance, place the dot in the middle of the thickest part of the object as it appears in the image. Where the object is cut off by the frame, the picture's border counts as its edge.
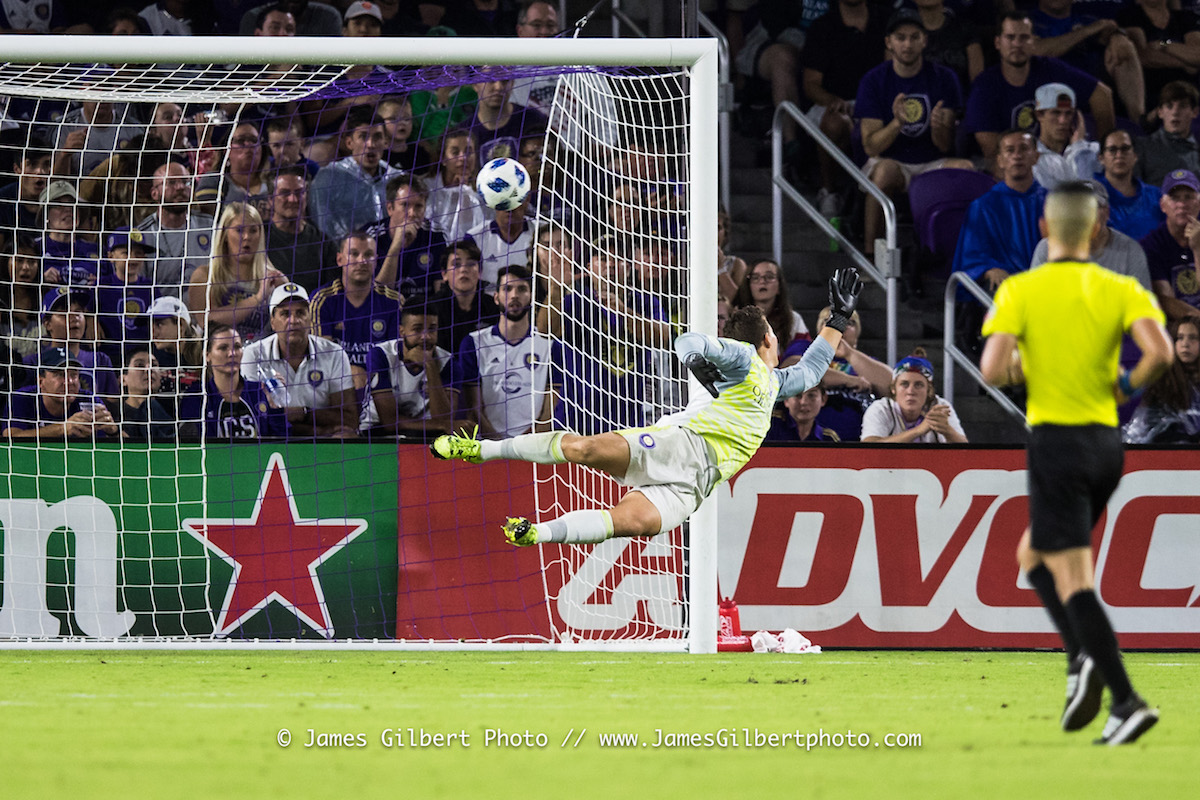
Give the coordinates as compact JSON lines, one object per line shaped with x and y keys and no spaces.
{"x":955,"y":356}
{"x":885,"y":271}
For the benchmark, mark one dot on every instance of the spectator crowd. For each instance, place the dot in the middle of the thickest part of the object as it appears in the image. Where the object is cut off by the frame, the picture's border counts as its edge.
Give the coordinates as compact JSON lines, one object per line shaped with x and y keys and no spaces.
{"x":326,"y":268}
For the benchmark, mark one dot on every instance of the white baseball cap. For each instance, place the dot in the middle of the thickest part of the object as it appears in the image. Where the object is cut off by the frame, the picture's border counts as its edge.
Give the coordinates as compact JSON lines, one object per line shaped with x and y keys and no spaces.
{"x":1054,"y":95}
{"x":286,"y":292}
{"x":169,"y":306}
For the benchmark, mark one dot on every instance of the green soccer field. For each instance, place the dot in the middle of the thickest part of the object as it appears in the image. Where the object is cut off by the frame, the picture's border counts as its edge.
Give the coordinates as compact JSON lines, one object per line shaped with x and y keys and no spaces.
{"x":198,"y":724}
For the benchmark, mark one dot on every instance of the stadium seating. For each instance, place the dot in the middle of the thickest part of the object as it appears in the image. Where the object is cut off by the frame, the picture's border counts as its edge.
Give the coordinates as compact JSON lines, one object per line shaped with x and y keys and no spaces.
{"x":939,"y":201}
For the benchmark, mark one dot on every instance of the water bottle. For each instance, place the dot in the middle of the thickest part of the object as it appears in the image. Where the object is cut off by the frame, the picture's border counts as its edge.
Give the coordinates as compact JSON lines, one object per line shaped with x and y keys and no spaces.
{"x":274,"y":386}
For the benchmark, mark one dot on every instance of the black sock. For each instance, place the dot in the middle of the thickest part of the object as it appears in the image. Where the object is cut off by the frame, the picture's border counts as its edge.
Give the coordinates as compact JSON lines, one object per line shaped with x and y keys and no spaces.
{"x":1091,"y":625}
{"x":1043,"y":583}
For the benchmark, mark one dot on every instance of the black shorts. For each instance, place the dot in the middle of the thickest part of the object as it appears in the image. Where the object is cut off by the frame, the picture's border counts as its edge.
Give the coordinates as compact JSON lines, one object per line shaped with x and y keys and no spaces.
{"x":1072,"y":472}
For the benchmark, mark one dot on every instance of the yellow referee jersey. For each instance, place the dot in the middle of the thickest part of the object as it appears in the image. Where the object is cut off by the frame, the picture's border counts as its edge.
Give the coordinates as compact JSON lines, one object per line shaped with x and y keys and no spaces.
{"x":1068,"y":318}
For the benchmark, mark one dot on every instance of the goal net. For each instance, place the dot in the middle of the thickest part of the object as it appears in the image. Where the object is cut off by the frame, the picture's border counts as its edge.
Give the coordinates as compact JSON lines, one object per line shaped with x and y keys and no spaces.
{"x":241,"y":298}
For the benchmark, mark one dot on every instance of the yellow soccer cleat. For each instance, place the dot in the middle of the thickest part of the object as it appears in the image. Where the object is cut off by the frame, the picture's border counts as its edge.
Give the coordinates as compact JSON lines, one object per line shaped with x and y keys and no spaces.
{"x":519,"y":531}
{"x":457,"y":445}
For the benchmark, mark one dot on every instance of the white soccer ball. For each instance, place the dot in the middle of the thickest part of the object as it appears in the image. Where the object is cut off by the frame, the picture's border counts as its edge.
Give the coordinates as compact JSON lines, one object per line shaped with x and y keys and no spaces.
{"x":503,"y":184}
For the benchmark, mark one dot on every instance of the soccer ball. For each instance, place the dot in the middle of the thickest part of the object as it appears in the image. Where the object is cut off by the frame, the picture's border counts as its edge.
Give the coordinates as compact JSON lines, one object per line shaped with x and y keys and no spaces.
{"x":503,"y":184}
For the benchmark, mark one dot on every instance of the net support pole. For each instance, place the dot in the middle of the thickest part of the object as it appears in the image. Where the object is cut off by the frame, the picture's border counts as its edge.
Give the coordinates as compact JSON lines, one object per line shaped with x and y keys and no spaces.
{"x":702,"y":242}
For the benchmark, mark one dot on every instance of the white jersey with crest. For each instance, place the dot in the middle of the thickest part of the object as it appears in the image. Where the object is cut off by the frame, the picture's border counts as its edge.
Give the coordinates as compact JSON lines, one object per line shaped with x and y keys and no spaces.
{"x":735,"y":423}
{"x":386,"y":370}
{"x":513,"y":377}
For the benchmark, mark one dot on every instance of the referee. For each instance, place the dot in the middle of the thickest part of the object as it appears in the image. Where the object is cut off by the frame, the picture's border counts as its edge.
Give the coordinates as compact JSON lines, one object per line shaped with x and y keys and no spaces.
{"x":1058,"y":328}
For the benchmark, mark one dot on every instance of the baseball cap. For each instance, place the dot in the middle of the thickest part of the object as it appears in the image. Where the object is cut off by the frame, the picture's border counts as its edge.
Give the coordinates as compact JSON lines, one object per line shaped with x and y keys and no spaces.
{"x":1053,"y":95}
{"x":913,"y":364}
{"x":1181,"y":177}
{"x":286,"y":292}
{"x":57,"y":190}
{"x":169,"y":306}
{"x":60,"y":294}
{"x":904,"y":16}
{"x":363,"y":8}
{"x":124,"y":237}
{"x":58,"y":358}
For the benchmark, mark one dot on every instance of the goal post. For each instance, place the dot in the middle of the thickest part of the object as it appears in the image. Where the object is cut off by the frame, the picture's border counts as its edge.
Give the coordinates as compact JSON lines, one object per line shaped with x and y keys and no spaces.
{"x":667,"y":113}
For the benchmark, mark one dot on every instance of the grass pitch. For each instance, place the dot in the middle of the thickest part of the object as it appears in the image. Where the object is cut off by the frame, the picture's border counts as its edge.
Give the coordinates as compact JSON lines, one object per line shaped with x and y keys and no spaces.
{"x":121,"y":724}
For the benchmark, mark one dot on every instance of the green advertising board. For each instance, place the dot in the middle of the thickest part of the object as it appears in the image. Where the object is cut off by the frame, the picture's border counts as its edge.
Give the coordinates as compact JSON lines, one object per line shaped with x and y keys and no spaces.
{"x":272,"y":541}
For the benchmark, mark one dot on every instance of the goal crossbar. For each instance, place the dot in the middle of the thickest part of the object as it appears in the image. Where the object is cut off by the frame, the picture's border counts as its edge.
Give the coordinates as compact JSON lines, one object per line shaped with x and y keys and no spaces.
{"x":18,"y":49}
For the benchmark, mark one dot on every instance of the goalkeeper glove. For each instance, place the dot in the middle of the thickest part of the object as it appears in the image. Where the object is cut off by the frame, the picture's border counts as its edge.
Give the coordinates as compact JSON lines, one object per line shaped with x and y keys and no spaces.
{"x":844,"y":289}
{"x":705,"y":371}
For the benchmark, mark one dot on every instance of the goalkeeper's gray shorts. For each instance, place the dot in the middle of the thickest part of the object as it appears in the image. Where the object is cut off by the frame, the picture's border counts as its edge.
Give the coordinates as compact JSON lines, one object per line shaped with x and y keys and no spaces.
{"x":673,"y":467}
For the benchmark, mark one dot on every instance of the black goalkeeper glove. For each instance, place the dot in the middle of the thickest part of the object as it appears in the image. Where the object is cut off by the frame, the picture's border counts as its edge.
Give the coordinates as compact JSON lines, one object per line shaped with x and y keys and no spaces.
{"x":705,"y":371}
{"x":844,"y":289}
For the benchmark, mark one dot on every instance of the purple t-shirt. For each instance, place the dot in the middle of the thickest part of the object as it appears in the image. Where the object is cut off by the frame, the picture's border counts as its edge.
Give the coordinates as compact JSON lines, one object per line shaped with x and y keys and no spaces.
{"x":994,"y":105}
{"x":933,"y":84}
{"x":505,"y":141}
{"x":1172,"y":262}
{"x":357,"y":328}
{"x":122,"y":307}
{"x":77,"y":261}
{"x":27,"y":411}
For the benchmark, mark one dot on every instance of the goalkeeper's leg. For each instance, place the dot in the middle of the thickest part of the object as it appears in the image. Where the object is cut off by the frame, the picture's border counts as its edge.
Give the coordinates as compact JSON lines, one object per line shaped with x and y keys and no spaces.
{"x":607,"y":452}
{"x":635,"y":515}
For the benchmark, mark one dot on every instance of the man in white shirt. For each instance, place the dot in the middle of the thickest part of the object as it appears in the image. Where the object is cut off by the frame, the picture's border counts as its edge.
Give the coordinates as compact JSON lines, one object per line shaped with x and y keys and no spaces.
{"x":317,"y":387}
{"x":504,"y":370}
{"x":408,"y":376}
{"x":502,"y":242}
{"x":181,"y":239}
{"x":1064,"y":152}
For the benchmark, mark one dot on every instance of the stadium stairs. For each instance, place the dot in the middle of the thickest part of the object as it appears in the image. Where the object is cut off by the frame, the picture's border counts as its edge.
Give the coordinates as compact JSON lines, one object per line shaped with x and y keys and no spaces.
{"x":809,"y":261}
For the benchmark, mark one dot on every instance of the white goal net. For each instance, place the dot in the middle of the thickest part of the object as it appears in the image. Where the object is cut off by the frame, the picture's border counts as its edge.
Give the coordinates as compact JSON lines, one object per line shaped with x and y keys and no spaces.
{"x":239,"y":300}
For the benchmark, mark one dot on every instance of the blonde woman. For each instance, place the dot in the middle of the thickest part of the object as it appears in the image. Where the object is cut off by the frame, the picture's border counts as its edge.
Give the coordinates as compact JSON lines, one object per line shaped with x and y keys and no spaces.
{"x":234,"y":288}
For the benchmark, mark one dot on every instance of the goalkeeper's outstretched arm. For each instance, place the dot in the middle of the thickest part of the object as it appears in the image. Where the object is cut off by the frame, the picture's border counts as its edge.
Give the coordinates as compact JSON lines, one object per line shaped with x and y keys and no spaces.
{"x":844,"y":289}
{"x":810,"y":369}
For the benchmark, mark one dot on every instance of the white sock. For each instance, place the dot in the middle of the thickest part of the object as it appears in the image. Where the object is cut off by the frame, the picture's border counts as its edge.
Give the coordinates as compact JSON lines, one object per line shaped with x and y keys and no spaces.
{"x":576,"y":527}
{"x":539,"y":448}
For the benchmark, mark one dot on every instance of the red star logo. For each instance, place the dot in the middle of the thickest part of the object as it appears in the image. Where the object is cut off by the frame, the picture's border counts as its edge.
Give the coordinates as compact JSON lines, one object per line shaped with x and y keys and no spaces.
{"x":275,"y":554}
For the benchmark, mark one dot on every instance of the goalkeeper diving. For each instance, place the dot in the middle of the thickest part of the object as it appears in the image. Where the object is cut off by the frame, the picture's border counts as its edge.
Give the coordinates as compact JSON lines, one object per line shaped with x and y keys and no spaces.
{"x":673,"y":465}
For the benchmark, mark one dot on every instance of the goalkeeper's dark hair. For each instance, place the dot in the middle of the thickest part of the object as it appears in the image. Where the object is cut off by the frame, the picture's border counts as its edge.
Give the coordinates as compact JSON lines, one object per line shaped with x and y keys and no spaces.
{"x":747,"y":324}
{"x":414,"y":183}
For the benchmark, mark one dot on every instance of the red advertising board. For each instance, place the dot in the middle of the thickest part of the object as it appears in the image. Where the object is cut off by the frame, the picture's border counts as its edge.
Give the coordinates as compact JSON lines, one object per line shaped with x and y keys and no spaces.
{"x":858,"y":546}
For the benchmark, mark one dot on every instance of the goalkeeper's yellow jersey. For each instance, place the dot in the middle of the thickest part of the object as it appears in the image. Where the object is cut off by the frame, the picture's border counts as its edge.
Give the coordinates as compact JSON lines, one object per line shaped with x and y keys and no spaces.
{"x":735,"y":423}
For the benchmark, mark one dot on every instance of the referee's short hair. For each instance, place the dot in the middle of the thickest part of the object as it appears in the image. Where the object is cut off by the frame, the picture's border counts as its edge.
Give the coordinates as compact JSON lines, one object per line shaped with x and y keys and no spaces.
{"x":1070,"y":212}
{"x":747,"y":324}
